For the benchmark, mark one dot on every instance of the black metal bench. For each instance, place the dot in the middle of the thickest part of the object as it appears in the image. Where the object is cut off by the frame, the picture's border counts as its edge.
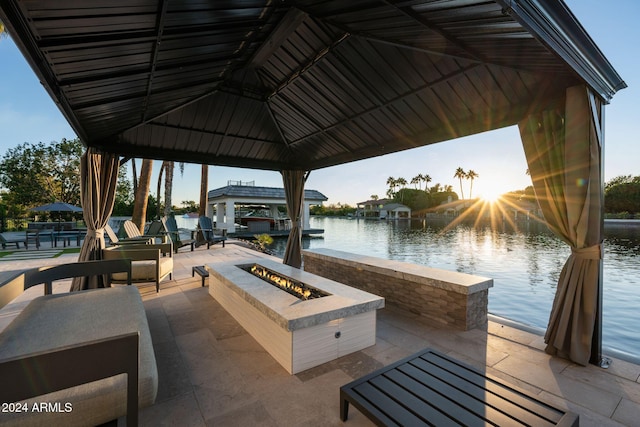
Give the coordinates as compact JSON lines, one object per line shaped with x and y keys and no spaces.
{"x":201,"y":271}
{"x":430,"y":388}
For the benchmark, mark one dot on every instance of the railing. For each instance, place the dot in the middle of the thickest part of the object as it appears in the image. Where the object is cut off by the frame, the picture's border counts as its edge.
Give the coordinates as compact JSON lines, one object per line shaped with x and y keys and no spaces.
{"x":241,"y":183}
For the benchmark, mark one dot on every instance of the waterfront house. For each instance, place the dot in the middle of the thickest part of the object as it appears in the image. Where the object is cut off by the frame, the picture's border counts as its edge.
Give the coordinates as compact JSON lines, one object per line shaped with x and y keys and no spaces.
{"x":262,"y":212}
{"x":383,"y":209}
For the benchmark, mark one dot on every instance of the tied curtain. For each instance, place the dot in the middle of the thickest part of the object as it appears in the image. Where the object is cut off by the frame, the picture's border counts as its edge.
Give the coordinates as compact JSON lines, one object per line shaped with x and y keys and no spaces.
{"x":98,"y":178}
{"x":563,"y":147}
{"x":293,"y":181}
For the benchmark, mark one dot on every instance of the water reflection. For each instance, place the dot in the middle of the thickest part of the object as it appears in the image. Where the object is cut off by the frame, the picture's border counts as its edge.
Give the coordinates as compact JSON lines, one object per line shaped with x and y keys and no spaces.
{"x":525,"y":264}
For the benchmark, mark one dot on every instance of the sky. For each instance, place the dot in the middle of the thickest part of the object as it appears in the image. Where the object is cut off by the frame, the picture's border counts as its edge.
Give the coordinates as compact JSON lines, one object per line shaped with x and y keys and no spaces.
{"x":28,"y":114}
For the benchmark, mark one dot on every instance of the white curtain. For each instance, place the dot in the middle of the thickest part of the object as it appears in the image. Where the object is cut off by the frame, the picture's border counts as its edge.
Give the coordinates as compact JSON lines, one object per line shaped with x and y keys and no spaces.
{"x":98,"y":178}
{"x":293,"y":181}
{"x":563,"y":146}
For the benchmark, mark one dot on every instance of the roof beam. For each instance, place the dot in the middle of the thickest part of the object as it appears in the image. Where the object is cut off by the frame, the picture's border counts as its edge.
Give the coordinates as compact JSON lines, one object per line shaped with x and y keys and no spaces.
{"x":212,"y":133}
{"x":154,"y":56}
{"x":413,"y":48}
{"x":163,"y":153}
{"x":300,"y":71}
{"x":407,"y":11}
{"x":287,"y":25}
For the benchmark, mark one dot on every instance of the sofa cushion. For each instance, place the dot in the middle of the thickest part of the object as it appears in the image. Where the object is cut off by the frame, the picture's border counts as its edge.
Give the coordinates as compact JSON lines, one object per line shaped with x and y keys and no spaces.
{"x":57,"y":320}
{"x":146,"y":270}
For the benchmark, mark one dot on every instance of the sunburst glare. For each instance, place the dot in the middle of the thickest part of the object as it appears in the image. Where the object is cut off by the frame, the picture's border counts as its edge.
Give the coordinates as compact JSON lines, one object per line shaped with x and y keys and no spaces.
{"x":491,"y":196}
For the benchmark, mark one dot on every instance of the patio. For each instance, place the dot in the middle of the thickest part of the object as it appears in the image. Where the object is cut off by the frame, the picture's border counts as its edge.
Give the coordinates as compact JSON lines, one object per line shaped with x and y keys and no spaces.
{"x":211,"y":372}
{"x":300,"y":86}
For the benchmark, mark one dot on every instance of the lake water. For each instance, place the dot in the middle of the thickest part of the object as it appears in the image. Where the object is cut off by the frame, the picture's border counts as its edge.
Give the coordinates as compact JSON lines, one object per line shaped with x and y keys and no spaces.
{"x":524,"y":263}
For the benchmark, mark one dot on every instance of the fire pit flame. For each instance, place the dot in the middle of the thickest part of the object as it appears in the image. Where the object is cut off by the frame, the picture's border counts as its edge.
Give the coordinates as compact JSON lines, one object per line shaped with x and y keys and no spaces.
{"x":294,"y":287}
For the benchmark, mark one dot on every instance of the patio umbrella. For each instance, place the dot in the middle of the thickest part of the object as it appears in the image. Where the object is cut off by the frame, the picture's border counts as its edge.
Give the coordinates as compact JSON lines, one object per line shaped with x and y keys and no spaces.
{"x":57,"y":207}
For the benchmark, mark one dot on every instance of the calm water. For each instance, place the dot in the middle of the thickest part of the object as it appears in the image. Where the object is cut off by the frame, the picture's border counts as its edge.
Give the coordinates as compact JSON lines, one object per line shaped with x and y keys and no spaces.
{"x":524,"y":263}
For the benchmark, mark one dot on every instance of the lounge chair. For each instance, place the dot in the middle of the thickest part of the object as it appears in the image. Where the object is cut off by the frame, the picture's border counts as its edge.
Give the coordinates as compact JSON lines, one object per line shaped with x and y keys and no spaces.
{"x":11,"y":240}
{"x":157,"y":231}
{"x":115,"y":240}
{"x":174,"y":234}
{"x":208,"y":233}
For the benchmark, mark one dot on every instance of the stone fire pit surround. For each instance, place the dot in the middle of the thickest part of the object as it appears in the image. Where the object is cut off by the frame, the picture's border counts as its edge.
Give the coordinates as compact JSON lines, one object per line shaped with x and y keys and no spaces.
{"x":448,"y":298}
{"x":298,"y":334}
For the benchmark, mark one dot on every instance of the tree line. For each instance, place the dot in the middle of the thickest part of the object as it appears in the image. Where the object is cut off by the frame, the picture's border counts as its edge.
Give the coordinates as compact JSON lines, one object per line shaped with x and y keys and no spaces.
{"x":417,"y":181}
{"x":621,"y":194}
{"x":38,"y":174}
{"x":418,"y":198}
{"x":622,"y":197}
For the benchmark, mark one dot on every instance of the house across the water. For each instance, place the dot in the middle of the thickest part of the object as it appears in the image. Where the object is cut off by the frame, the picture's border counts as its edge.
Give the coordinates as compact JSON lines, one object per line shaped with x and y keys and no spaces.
{"x":383,"y":209}
{"x":242,"y":207}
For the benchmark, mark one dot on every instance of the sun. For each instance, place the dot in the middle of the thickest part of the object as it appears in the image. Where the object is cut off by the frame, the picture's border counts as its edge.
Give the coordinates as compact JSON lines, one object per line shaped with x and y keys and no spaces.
{"x":491,"y":196}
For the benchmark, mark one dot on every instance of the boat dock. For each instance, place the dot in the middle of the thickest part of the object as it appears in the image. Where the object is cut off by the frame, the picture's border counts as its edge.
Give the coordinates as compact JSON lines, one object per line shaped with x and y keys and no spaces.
{"x":243,"y":234}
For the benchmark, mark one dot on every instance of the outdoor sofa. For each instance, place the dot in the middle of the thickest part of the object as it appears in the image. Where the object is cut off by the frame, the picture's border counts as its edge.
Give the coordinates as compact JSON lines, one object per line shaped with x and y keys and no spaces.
{"x":79,"y":358}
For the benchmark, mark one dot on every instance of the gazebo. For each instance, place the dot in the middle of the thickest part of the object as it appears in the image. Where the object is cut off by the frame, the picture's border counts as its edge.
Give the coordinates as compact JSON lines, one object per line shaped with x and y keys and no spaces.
{"x":225,"y":199}
{"x":298,"y":86}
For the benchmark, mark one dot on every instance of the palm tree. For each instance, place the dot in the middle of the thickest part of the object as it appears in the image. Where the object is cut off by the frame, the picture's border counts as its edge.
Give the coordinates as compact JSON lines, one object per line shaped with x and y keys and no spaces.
{"x":471,"y":175}
{"x":204,"y":183}
{"x":168,"y":187}
{"x":162,"y":169}
{"x":460,"y":173}
{"x":134,"y":173}
{"x":392,"y":183}
{"x":416,"y":180}
{"x":374,"y":197}
{"x":142,"y":195}
{"x":436,"y":188}
{"x":401,"y":182}
{"x":427,"y":179}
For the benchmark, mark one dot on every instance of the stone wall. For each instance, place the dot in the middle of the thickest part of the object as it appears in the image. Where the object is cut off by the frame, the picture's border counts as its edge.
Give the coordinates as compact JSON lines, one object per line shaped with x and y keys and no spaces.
{"x":444,"y":297}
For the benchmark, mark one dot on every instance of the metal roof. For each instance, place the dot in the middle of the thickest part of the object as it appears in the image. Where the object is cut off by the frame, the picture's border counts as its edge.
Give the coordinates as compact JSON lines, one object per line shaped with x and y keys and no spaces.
{"x":247,"y":191}
{"x":299,"y":85}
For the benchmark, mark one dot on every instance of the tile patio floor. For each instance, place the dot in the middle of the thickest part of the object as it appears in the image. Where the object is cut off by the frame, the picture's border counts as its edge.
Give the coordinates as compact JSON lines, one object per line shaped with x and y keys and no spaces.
{"x":212,"y":373}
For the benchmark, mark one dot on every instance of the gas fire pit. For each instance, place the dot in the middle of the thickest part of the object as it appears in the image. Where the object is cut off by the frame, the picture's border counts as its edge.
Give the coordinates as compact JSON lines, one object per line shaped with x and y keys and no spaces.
{"x":294,"y":287}
{"x":301,"y":319}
